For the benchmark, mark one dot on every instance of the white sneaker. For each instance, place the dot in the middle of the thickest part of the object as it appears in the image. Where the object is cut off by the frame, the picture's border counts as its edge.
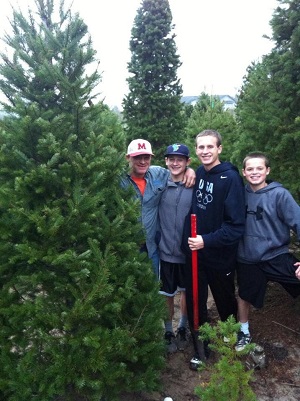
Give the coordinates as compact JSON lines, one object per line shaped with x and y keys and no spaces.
{"x":242,"y":340}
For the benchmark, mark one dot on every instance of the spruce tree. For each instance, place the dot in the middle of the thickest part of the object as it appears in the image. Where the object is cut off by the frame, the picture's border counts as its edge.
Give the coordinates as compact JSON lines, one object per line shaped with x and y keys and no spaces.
{"x":80,"y":312}
{"x":269,"y":101}
{"x":209,"y":112}
{"x":153,"y":108}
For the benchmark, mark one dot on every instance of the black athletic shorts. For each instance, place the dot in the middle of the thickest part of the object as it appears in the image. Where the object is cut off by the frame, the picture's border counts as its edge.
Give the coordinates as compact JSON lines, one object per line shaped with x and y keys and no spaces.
{"x":172,"y":278}
{"x":252,"y":279}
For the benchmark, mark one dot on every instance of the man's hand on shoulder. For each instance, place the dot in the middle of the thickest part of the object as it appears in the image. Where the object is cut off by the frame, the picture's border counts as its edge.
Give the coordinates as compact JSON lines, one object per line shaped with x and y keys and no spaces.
{"x":189,"y":178}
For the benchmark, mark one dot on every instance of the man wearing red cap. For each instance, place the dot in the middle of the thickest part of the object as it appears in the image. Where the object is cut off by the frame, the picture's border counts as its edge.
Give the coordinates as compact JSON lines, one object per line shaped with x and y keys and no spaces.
{"x":149,"y":183}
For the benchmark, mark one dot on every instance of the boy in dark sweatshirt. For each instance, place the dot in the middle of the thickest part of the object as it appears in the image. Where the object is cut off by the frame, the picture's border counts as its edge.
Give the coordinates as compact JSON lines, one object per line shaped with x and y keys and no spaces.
{"x":218,"y":202}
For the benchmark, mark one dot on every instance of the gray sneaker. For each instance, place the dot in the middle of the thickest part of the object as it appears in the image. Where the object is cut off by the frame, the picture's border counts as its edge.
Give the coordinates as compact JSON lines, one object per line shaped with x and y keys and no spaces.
{"x":170,"y":342}
{"x":181,"y":338}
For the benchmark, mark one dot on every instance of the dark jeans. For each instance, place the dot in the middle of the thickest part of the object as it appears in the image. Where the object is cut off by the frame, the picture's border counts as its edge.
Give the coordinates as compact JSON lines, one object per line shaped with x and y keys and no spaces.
{"x":222,"y":287}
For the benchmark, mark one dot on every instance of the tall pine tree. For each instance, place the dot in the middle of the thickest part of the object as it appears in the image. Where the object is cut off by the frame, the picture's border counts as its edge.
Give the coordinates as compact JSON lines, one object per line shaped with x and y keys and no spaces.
{"x":79,"y":308}
{"x":269,"y":102}
{"x":152,"y":108}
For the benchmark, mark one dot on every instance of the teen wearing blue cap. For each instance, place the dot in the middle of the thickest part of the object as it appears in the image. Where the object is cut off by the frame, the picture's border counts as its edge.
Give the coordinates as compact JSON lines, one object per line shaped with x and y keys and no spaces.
{"x":173,"y":208}
{"x":177,"y":149}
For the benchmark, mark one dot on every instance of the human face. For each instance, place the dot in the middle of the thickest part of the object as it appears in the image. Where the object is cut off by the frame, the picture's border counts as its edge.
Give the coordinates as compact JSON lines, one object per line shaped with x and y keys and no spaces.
{"x":139,"y":165}
{"x":256,"y":172}
{"x":177,"y":165}
{"x":208,"y":151}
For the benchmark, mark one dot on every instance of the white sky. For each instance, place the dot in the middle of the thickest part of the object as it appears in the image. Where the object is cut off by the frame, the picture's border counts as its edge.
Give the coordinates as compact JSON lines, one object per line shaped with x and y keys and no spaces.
{"x":216,"y":40}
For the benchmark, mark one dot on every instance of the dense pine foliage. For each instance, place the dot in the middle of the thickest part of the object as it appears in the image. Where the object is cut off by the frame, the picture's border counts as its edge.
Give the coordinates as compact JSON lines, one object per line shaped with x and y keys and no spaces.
{"x":269,"y":103}
{"x":79,"y":308}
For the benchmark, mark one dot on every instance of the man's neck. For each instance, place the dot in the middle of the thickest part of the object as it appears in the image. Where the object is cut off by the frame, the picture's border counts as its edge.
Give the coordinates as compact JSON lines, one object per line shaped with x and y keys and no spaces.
{"x":135,"y":175}
{"x":210,"y":166}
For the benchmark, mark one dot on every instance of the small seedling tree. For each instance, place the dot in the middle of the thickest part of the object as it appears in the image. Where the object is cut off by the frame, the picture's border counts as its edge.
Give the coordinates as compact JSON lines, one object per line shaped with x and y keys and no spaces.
{"x":229,"y":377}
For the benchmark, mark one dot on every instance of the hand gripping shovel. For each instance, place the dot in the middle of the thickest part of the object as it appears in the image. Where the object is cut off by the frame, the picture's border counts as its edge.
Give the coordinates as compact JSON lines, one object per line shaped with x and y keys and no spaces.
{"x":198,"y":344}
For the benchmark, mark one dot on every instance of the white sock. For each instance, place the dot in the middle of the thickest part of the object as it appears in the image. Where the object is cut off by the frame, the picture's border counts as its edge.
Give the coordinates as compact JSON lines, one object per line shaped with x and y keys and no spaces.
{"x":245,"y":327}
{"x":183,"y":321}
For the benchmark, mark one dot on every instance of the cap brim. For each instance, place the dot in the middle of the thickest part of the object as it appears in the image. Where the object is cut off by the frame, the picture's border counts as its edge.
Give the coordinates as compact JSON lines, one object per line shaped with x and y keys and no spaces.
{"x":139,"y":153}
{"x":176,"y":154}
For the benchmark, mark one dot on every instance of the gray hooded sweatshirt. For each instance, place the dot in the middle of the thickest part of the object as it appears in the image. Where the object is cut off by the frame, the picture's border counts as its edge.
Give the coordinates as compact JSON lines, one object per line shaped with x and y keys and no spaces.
{"x":174,"y":205}
{"x":271,"y":213}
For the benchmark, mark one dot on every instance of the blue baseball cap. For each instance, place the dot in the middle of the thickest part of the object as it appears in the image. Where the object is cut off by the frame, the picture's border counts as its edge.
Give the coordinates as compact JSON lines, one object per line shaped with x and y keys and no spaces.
{"x":177,"y":149}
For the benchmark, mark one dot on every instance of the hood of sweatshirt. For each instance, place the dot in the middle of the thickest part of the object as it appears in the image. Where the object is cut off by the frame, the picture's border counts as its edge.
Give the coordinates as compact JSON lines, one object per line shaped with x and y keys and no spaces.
{"x":271,"y":185}
{"x":221,"y":168}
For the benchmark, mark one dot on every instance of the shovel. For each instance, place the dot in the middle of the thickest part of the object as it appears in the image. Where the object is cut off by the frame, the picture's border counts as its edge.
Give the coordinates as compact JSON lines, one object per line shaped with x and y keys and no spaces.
{"x":195,"y":335}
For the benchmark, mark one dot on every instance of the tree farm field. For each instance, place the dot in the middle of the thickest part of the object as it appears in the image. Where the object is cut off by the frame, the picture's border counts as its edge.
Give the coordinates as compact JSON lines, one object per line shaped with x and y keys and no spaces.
{"x":276,"y":327}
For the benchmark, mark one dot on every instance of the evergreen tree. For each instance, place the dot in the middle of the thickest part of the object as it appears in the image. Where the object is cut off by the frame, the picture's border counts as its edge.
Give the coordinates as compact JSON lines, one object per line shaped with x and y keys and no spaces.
{"x":269,"y":103}
{"x":80,"y":312}
{"x":257,"y":112}
{"x":153,"y":108}
{"x":209,"y":113}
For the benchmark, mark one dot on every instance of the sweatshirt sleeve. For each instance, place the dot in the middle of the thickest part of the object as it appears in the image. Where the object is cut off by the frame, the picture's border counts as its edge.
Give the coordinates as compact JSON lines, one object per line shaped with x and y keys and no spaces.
{"x":288,"y":211}
{"x":186,"y":234}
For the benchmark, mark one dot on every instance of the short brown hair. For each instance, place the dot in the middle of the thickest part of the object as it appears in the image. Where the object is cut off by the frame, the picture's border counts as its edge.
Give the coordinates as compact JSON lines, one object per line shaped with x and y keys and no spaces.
{"x":256,"y":155}
{"x":210,"y":132}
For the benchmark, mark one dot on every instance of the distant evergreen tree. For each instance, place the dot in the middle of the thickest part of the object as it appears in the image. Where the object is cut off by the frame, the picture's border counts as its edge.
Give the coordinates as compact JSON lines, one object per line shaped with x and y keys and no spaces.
{"x":209,"y":113}
{"x":257,"y":113}
{"x":269,"y":102}
{"x":80,"y":312}
{"x":153,"y":108}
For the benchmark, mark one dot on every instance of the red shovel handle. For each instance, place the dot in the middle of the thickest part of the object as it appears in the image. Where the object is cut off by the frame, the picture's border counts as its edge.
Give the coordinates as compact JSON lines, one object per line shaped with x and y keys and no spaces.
{"x":195,"y":274}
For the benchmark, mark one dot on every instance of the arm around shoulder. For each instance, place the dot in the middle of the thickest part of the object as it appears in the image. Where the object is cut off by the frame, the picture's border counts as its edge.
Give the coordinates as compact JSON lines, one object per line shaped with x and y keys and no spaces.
{"x":189,"y":178}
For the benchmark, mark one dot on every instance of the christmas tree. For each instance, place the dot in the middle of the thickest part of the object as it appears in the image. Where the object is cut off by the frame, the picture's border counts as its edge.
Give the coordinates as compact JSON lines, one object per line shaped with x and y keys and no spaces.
{"x":79,"y":307}
{"x":153,"y":108}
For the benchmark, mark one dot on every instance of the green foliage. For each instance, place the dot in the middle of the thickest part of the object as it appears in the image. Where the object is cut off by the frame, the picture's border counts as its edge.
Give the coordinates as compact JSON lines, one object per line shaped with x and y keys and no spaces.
{"x":153,"y":108}
{"x":229,"y":379}
{"x":268,"y":106}
{"x":79,"y":306}
{"x":209,"y":113}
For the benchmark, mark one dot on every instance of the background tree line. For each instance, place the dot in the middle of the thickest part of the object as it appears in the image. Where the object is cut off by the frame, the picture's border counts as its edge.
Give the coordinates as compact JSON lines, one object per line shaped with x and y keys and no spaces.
{"x":267,"y":113}
{"x":79,"y":308}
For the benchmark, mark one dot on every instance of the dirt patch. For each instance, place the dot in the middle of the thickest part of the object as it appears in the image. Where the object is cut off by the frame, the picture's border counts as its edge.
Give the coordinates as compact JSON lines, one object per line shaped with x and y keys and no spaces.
{"x":276,"y":327}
